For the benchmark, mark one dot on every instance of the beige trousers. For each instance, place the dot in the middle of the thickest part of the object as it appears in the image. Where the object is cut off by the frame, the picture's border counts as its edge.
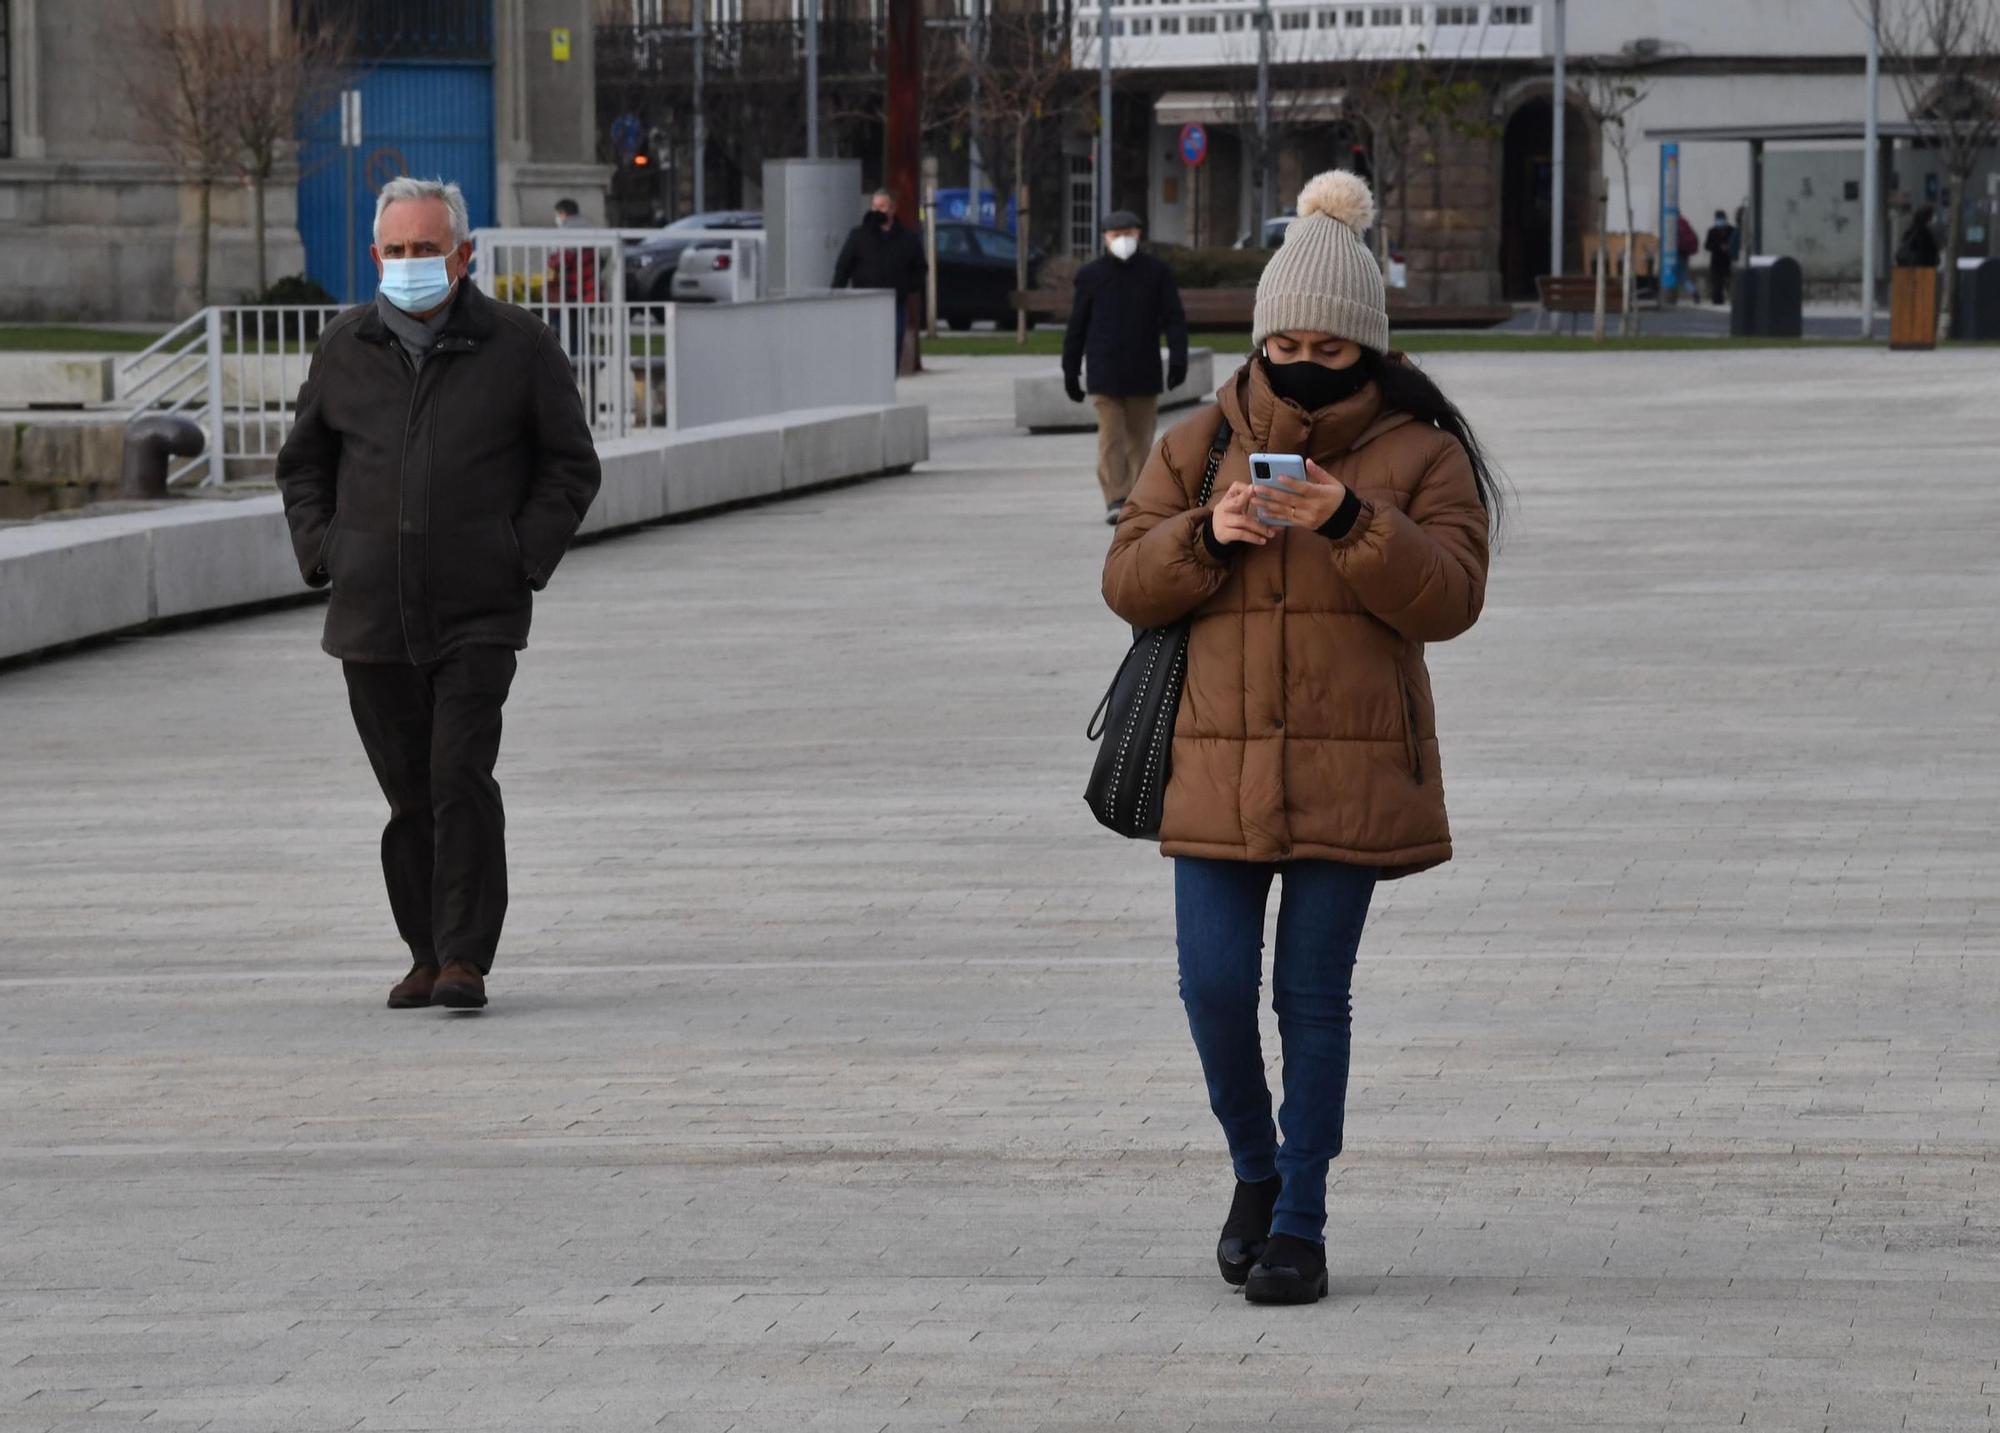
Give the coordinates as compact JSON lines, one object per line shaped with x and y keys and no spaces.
{"x":1124,"y":438}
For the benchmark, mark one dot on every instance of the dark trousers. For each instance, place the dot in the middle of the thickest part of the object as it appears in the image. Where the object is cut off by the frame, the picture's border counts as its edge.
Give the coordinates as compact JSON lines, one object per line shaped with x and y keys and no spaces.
{"x":1719,"y":266}
{"x":433,"y":735}
{"x":1219,"y":913}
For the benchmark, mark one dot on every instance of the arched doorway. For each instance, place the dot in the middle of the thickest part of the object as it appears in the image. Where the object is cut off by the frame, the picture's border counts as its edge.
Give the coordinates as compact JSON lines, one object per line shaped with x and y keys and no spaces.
{"x":1526,"y":195}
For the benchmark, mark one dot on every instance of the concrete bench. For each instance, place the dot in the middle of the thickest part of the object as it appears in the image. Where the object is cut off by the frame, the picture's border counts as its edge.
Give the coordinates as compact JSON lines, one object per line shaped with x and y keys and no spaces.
{"x":1041,"y":406}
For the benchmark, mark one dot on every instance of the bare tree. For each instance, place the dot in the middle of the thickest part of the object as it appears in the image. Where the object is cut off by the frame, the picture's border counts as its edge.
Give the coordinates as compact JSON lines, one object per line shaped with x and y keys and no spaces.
{"x":1945,"y":55}
{"x":180,"y":100}
{"x":1027,"y":81}
{"x":1410,"y":104}
{"x":1304,"y":88}
{"x":1610,"y":96}
{"x":270,"y":85}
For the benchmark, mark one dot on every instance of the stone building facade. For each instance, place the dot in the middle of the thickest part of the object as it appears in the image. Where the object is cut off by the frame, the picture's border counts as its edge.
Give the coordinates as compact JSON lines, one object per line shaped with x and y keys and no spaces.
{"x":96,"y":223}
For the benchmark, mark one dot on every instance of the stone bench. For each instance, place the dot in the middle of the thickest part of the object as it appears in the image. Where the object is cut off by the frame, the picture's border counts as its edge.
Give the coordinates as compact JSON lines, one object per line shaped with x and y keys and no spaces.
{"x":1041,"y":406}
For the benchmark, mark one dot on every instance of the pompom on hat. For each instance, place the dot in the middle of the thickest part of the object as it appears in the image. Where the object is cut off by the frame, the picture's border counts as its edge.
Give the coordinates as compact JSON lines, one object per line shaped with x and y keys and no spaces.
{"x":1323,"y":279}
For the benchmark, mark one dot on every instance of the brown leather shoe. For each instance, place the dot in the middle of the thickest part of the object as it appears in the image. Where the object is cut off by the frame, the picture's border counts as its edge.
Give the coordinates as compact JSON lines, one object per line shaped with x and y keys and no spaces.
{"x":460,"y":987}
{"x":413,"y":991}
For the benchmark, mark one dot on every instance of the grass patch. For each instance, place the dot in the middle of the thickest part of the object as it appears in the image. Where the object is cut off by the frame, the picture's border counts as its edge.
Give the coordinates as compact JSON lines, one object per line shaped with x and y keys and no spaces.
{"x":1048,"y":341}
{"x":66,"y":338}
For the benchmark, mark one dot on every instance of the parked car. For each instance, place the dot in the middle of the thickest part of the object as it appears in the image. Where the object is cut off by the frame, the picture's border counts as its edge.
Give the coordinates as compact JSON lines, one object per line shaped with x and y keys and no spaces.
{"x":650,"y":264}
{"x":706,"y":273}
{"x":1274,"y":233}
{"x":976,"y":274}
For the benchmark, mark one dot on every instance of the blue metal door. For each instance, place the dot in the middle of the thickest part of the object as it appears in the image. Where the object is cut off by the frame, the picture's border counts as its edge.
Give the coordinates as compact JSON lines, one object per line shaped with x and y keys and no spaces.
{"x":431,"y":121}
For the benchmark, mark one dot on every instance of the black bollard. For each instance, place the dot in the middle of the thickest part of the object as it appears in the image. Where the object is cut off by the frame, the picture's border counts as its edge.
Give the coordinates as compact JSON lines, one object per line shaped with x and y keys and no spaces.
{"x":149,"y":442}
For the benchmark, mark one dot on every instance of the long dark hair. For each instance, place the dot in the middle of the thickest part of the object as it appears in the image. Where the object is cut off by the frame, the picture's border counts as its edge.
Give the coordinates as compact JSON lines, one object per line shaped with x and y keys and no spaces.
{"x":1406,"y":388}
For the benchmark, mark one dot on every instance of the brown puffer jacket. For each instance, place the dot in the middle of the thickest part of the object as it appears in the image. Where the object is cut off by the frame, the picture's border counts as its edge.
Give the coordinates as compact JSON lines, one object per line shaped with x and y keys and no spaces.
{"x":1306,"y":729}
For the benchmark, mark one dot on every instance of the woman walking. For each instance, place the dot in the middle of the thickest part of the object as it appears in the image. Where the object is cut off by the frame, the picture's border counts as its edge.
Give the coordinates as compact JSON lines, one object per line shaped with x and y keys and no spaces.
{"x":1305,"y":748}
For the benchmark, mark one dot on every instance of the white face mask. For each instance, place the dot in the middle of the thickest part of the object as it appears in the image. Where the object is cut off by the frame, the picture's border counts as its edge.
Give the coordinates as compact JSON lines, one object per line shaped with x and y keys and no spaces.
{"x":1124,"y":246}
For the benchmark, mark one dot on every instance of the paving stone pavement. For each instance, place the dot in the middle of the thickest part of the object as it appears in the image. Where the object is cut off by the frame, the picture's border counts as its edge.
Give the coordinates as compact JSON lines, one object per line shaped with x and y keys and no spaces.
{"x":835,"y":1078}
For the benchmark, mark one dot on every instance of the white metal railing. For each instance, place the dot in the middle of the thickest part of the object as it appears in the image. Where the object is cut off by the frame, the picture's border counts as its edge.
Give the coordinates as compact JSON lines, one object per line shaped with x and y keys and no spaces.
{"x":576,"y":281}
{"x":235,"y":371}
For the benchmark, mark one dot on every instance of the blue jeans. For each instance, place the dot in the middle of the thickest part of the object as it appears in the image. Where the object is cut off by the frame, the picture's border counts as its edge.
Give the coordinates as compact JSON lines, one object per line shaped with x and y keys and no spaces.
{"x":1219,"y":910}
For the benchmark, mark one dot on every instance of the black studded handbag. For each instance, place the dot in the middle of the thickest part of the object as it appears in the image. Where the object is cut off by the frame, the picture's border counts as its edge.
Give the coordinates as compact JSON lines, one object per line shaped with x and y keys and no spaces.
{"x":1128,"y":783}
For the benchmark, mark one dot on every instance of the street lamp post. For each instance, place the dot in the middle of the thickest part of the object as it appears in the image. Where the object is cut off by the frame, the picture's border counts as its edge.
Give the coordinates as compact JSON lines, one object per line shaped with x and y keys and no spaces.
{"x":1870,"y":166}
{"x":812,"y":79}
{"x":1263,"y":119}
{"x":1104,"y":199}
{"x":1559,"y":121}
{"x":700,"y":119}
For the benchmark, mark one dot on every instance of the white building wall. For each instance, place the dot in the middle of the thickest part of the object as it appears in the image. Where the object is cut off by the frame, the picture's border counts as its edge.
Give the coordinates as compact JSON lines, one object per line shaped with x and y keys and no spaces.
{"x":1717,"y":28}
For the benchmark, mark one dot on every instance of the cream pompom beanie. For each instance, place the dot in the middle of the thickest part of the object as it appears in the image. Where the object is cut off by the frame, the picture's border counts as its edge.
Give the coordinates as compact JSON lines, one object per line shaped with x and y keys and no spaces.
{"x":1323,"y":279}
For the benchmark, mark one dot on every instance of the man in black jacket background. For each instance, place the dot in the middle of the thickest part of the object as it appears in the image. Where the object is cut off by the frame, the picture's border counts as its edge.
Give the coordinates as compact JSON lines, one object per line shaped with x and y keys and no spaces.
{"x":1125,"y":301}
{"x":438,"y":468}
{"x":880,"y":253}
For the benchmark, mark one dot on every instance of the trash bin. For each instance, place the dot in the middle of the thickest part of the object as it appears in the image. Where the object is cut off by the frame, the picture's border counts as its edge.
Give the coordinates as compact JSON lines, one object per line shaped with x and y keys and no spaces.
{"x":1767,"y":299}
{"x":1912,"y":308}
{"x":1976,"y":314}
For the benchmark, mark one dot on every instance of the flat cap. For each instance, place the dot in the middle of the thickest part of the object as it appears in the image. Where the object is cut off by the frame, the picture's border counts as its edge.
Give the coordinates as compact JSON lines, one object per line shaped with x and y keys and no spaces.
{"x":1122,"y":219}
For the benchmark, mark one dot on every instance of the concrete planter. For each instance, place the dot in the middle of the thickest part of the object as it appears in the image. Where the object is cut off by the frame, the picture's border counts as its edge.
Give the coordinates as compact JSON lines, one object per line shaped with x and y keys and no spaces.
{"x":1041,"y":406}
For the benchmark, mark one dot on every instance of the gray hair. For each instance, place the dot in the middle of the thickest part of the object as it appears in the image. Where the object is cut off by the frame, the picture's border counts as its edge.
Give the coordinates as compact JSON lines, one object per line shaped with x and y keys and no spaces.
{"x":405,"y":187}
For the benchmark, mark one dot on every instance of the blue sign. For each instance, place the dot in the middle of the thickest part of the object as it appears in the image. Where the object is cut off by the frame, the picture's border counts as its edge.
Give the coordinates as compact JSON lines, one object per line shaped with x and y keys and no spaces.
{"x":1670,"y":219}
{"x":1194,"y":143}
{"x":627,"y":134}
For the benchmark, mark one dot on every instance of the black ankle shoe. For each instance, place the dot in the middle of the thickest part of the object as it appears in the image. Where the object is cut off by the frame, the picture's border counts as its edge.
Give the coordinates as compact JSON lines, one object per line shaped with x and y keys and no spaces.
{"x":1292,"y":1271}
{"x":1248,"y":1228}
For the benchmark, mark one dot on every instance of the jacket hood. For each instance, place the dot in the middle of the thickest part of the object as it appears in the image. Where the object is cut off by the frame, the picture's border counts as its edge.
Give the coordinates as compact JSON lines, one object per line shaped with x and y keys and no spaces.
{"x":1270,"y":424}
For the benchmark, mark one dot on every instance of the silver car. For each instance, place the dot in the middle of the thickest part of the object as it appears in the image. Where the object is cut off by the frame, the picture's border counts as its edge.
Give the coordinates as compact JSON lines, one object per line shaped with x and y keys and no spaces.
{"x":706,"y":274}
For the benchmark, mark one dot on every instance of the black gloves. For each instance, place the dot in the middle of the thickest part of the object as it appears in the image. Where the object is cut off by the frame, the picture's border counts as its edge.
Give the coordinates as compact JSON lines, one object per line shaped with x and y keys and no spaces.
{"x":1177,"y":373}
{"x":1073,"y":386}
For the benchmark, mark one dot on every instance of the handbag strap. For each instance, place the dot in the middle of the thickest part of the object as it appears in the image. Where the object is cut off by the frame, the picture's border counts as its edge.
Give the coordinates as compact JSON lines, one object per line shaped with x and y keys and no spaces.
{"x":1216,"y":448}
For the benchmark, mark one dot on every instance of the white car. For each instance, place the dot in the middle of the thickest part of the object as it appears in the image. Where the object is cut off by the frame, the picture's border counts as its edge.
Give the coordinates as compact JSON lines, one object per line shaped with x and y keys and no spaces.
{"x":706,"y":274}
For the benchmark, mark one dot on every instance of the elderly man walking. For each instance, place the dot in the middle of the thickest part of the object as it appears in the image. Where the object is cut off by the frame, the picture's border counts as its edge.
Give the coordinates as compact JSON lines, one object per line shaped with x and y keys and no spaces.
{"x":1125,"y":302}
{"x":438,"y":469}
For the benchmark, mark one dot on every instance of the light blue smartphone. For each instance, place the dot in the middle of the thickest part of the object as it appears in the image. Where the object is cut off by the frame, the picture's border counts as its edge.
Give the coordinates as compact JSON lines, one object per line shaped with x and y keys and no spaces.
{"x":1268,"y":472}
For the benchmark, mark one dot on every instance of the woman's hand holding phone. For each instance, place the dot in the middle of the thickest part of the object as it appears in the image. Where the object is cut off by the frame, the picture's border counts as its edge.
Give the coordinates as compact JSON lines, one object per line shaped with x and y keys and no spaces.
{"x":1285,"y":502}
{"x":1232,"y":520}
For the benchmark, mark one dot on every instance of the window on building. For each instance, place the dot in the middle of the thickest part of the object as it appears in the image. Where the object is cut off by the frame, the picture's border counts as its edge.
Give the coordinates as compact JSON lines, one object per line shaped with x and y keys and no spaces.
{"x":1170,"y":24}
{"x":1356,"y":19}
{"x":1143,"y":25}
{"x":1386,"y":15}
{"x":1201,"y":24}
{"x":1513,"y":14}
{"x":1458,"y":15}
{"x":1083,"y":33}
{"x":1295,"y":20}
{"x":1235,"y":21}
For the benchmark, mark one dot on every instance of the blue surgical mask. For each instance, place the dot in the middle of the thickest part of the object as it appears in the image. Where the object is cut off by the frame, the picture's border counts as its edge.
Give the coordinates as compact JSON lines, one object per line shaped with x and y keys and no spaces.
{"x":415,"y":285}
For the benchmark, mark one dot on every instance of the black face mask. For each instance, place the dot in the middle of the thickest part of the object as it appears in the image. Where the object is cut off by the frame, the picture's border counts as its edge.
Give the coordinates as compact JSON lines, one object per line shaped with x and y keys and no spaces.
{"x":1314,"y":386}
{"x":877,"y":219}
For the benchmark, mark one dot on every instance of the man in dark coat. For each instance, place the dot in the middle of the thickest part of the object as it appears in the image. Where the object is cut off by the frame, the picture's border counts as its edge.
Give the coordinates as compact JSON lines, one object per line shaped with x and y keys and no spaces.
{"x":1721,"y":246}
{"x":1125,"y":301}
{"x":881,"y":253}
{"x":438,"y":468}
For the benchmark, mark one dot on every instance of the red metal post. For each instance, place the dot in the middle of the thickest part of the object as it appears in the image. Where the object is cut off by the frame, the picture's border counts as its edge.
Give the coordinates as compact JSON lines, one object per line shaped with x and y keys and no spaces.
{"x":902,"y":164}
{"x":903,"y":159}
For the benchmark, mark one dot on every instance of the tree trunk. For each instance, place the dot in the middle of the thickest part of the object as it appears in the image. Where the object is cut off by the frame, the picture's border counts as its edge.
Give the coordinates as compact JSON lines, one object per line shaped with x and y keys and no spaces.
{"x":1603,"y":243}
{"x":263,"y":278}
{"x":1021,"y":230}
{"x":202,"y":224}
{"x":1954,"y":236}
{"x":1628,"y":323}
